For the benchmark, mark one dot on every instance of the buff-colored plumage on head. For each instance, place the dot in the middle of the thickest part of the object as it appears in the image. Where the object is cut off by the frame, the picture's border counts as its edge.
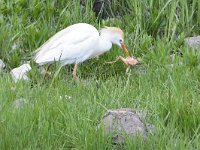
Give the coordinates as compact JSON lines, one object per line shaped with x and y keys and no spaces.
{"x":114,"y":35}
{"x":113,"y":30}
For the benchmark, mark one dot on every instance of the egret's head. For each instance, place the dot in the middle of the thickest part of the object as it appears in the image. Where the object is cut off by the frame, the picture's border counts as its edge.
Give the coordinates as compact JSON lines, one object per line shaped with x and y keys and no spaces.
{"x":117,"y":37}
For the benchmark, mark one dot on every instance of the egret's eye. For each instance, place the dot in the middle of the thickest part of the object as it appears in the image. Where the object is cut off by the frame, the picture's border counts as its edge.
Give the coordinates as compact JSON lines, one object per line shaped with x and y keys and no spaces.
{"x":120,"y":40}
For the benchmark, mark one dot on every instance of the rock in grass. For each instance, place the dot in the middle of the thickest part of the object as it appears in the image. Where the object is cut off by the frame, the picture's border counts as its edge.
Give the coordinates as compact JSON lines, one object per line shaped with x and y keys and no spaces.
{"x":193,"y":42}
{"x":18,"y":103}
{"x":2,"y":65}
{"x":123,"y":121}
{"x":20,"y":73}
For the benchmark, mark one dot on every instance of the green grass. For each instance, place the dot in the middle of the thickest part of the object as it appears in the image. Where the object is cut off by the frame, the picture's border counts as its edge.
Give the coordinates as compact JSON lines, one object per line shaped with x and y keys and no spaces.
{"x":52,"y":120}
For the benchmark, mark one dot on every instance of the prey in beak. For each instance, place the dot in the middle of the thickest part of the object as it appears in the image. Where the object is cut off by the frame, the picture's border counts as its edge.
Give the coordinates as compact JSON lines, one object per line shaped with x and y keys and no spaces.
{"x":123,"y":46}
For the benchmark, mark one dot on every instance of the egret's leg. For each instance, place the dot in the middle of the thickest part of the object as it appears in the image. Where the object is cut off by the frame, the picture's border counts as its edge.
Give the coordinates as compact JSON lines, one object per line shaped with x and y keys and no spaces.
{"x":46,"y":71}
{"x":55,"y":75}
{"x":75,"y":72}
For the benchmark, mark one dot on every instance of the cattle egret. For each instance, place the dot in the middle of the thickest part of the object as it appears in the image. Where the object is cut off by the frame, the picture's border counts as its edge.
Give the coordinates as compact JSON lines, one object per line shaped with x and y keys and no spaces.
{"x":78,"y":43}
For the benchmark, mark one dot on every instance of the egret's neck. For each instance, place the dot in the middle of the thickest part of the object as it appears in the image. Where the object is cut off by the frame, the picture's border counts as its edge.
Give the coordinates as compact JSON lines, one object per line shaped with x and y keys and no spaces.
{"x":105,"y":43}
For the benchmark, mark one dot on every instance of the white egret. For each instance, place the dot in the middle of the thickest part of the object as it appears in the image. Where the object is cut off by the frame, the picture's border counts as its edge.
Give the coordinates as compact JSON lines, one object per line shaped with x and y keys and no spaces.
{"x":78,"y":43}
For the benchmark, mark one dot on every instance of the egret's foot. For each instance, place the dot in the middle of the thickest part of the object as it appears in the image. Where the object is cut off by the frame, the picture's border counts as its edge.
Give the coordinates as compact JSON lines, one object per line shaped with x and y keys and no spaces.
{"x":45,"y":72}
{"x":75,"y":77}
{"x":47,"y":75}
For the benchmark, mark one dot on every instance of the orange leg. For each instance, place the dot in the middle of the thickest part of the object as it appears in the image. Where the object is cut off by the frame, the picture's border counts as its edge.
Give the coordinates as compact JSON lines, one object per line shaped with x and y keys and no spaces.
{"x":75,"y":72}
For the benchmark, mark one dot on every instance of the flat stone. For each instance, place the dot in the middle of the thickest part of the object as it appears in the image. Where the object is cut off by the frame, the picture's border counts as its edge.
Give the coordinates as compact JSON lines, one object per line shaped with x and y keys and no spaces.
{"x":20,"y":73}
{"x":124,"y":121}
{"x":193,"y":42}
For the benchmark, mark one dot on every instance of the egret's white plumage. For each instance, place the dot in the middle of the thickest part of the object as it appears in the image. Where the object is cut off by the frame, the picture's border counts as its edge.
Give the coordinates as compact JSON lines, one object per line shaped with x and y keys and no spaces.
{"x":78,"y":43}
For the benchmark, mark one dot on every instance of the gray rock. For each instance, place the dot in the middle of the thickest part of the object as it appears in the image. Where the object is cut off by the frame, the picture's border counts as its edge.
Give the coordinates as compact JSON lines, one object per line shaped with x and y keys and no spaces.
{"x":124,"y":121}
{"x":193,"y":42}
{"x":2,"y":65}
{"x":19,"y":103}
{"x":20,"y":73}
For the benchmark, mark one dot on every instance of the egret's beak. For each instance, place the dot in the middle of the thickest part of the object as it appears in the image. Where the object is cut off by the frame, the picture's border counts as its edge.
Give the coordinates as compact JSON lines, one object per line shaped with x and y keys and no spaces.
{"x":125,"y":49}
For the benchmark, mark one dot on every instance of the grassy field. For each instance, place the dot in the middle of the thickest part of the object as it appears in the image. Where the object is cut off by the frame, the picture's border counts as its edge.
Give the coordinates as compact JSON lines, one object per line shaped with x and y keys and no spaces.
{"x":65,"y":116}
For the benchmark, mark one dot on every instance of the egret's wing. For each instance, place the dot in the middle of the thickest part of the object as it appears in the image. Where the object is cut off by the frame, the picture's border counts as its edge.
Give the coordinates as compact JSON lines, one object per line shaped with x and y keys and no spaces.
{"x":71,"y":52}
{"x":67,"y":44}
